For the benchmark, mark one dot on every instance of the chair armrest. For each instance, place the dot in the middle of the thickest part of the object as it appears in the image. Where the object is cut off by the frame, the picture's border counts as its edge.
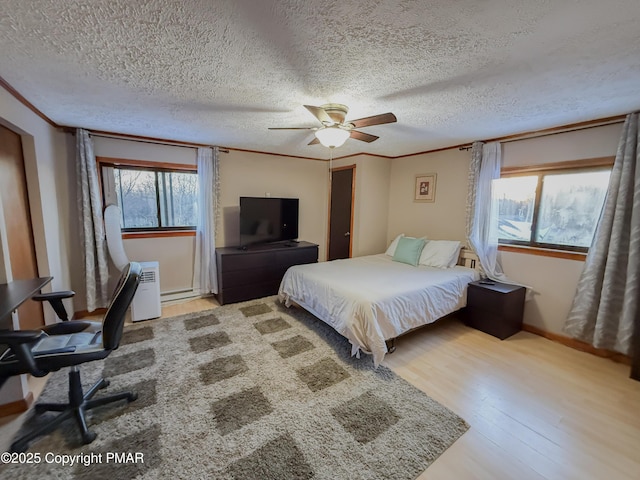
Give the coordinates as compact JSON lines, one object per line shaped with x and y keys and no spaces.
{"x":47,"y":297}
{"x":20,"y":343}
{"x":66,"y":328}
{"x":17,"y":337}
{"x":55,"y":300}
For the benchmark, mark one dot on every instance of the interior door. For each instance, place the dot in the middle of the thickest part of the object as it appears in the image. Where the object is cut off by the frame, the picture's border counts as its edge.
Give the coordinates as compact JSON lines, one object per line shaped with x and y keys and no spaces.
{"x":341,"y":212}
{"x":17,"y":216}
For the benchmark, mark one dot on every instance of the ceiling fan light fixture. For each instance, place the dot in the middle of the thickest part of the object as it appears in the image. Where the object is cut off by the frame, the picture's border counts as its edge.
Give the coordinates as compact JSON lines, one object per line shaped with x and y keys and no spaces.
{"x":333,"y":136}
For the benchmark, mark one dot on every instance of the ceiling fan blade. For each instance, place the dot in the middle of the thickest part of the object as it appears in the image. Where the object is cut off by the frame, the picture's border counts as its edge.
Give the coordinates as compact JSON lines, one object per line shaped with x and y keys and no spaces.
{"x":365,"y":137}
{"x":315,"y":141}
{"x":320,"y":114}
{"x":292,"y":128}
{"x":374,"y":120}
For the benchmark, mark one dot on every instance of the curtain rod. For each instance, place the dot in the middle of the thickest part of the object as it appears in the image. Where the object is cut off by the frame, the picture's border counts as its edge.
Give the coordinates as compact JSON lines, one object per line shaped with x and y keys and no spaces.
{"x":137,"y":138}
{"x":467,"y":146}
{"x":575,"y":127}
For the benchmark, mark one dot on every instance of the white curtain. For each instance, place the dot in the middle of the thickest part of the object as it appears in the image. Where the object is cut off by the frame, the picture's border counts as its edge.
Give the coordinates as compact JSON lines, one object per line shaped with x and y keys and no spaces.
{"x":96,"y":271}
{"x":606,"y":307}
{"x":482,"y":207}
{"x":205,"y":279}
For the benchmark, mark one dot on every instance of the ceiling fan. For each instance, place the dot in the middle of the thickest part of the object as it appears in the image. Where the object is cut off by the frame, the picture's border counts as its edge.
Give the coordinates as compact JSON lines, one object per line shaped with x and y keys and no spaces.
{"x":335,"y":130}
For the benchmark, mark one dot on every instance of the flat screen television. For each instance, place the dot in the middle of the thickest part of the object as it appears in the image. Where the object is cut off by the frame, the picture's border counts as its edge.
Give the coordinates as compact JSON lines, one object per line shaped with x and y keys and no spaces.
{"x":267,"y":220}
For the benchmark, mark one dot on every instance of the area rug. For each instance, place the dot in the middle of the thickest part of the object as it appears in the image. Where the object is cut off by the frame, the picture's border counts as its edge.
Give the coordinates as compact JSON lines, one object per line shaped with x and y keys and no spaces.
{"x":246,"y":391}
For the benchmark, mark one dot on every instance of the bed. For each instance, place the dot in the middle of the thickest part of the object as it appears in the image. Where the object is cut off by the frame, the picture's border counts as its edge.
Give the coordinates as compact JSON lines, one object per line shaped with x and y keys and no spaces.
{"x":372,"y":299}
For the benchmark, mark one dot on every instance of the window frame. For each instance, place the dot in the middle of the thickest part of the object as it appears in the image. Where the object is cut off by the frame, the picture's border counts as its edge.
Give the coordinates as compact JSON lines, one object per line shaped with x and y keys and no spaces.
{"x":541,"y":170}
{"x":144,"y":165}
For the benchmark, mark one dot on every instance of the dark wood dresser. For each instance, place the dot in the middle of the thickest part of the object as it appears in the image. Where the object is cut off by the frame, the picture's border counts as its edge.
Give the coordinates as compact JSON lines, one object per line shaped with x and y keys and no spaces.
{"x":495,"y":308}
{"x":257,"y":271}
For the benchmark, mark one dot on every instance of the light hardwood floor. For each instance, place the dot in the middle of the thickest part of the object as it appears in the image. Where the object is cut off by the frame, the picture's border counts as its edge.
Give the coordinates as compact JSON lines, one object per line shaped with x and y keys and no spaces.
{"x":536,"y":409}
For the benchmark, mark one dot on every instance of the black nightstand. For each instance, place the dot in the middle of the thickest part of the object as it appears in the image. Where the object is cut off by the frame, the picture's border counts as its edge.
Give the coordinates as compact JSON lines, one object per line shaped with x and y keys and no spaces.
{"x":495,"y":308}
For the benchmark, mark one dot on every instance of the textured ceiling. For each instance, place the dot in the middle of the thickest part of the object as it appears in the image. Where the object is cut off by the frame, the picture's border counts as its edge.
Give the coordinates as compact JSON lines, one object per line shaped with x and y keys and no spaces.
{"x":221,"y":72}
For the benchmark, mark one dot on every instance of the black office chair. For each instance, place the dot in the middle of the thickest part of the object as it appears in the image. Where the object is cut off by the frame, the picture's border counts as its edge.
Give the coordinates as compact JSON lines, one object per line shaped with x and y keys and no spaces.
{"x":40,"y":352}
{"x":64,"y":326}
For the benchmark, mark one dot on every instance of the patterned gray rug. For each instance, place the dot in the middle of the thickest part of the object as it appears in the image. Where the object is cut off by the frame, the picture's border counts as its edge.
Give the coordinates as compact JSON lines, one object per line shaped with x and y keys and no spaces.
{"x":247,"y":391}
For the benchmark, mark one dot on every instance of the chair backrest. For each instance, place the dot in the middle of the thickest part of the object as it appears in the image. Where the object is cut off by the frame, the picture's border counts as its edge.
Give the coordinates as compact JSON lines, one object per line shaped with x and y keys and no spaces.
{"x":113,"y":321}
{"x":114,"y":236}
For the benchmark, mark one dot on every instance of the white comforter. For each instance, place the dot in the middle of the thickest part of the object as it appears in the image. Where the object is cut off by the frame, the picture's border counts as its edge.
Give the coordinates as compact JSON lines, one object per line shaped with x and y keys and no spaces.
{"x":370,"y":299}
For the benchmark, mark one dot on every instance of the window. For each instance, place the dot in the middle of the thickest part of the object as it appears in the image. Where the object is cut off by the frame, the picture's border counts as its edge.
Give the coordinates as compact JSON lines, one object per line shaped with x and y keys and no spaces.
{"x":156,"y":199}
{"x":551,"y":209}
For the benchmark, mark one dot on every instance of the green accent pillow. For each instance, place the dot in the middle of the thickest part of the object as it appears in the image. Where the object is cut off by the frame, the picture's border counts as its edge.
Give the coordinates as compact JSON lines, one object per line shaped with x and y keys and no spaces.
{"x":409,"y":250}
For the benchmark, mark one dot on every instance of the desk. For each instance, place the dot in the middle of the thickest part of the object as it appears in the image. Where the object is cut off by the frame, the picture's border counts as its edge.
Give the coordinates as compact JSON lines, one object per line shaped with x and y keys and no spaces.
{"x":14,"y":294}
{"x":15,"y":398}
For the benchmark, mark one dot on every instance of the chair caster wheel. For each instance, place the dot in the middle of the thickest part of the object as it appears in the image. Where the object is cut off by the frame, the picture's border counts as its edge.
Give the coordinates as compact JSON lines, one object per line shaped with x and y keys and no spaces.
{"x":105,"y":384}
{"x":133,"y":396}
{"x":88,"y":437}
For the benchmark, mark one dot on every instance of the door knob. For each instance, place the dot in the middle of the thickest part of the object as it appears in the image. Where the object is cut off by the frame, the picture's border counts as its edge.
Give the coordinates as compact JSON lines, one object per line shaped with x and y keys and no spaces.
{"x":347,"y":234}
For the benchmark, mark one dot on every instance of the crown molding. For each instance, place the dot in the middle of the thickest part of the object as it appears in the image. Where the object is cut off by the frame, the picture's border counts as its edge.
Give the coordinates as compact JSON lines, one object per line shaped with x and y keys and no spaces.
{"x":18,"y":96}
{"x":508,"y":138}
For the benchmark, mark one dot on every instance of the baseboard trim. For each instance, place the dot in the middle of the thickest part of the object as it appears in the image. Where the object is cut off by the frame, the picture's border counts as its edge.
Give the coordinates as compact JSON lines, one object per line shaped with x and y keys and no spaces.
{"x":579,"y":345}
{"x":177,"y":296}
{"x":86,"y":313}
{"x":16,"y":407}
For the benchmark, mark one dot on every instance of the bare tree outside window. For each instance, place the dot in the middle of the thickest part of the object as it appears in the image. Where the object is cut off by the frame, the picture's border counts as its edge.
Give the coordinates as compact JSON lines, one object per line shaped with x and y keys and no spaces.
{"x":155,"y":198}
{"x":178,"y":193}
{"x":553,"y":210}
{"x":570,"y":206}
{"x":516,"y":201}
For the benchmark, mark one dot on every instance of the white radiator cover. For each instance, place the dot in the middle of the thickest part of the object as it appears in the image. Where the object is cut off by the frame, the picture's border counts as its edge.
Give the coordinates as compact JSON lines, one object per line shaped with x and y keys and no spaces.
{"x":146,"y":302}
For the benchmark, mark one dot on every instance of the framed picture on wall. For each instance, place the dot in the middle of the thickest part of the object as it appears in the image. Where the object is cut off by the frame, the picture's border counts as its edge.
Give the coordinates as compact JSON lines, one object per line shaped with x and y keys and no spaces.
{"x":425,"y":188}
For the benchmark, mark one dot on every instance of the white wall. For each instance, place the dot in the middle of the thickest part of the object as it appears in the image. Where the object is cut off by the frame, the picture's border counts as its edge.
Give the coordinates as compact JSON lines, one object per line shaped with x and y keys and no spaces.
{"x":174,"y":255}
{"x":138,"y":150}
{"x":588,"y":143}
{"x":553,"y":281}
{"x":443,"y":219}
{"x":247,"y":174}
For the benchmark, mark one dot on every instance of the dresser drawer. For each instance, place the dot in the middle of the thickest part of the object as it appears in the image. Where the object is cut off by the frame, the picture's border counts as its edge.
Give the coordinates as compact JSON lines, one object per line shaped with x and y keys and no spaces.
{"x":257,"y":271}
{"x":246,"y":261}
{"x":296,"y":257}
{"x":237,"y":278}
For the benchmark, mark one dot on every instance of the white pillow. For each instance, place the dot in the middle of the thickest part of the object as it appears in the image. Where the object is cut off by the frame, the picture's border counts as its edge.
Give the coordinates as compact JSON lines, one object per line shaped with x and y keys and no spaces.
{"x":391,"y":250}
{"x":440,"y":253}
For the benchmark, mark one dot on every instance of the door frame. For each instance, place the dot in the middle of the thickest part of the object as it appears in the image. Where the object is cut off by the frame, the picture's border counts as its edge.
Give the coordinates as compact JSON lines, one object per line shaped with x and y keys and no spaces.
{"x":353,"y":202}
{"x":16,"y":394}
